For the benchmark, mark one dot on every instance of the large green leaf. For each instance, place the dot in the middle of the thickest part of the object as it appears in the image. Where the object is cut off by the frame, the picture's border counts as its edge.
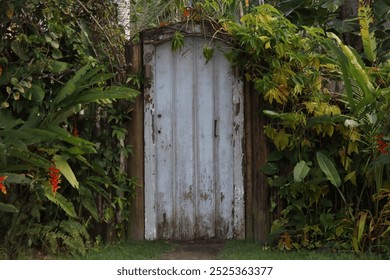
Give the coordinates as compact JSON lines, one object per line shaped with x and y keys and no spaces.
{"x":76,"y":102}
{"x":275,"y":156}
{"x":70,"y":87}
{"x":64,"y":135}
{"x":343,"y":62}
{"x":8,"y":208}
{"x":341,"y":26}
{"x":270,"y":168}
{"x":13,"y":178}
{"x":19,"y":49}
{"x":66,"y":170}
{"x":353,"y":69}
{"x":62,"y":202}
{"x":7,"y":121}
{"x":37,"y":115}
{"x":35,"y":93}
{"x":32,"y":158}
{"x":57,"y":66}
{"x":329,"y":169}
{"x":301,"y":170}
{"x":88,"y":202}
{"x":332,"y":5}
{"x":114,"y":92}
{"x":66,"y":90}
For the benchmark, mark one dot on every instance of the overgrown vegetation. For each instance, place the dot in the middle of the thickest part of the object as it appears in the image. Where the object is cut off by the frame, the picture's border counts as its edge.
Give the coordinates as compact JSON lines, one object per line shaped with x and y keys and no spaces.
{"x":62,"y":139}
{"x":61,"y":184}
{"x":328,"y":112}
{"x":327,"y":106}
{"x":249,"y":250}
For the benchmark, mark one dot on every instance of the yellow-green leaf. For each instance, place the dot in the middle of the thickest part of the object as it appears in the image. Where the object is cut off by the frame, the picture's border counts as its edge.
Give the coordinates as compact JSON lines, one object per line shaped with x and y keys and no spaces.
{"x":368,"y":38}
{"x":351,"y":177}
{"x":301,"y":169}
{"x":10,"y":10}
{"x":281,"y":140}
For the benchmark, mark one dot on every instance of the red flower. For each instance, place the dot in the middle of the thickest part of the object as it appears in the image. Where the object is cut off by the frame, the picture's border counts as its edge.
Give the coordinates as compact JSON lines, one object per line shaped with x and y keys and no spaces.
{"x":187,"y":12}
{"x":54,"y":179}
{"x":75,"y":132}
{"x":382,"y":145}
{"x":3,"y":189}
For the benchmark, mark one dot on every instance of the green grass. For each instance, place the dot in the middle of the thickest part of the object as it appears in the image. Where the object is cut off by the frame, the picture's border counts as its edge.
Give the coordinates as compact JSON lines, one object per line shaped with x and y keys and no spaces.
{"x":129,"y":250}
{"x":233,"y":250}
{"x":247,"y":250}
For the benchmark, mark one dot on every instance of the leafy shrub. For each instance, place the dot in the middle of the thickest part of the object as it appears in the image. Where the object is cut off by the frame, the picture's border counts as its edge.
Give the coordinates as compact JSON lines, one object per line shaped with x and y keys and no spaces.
{"x":56,"y":64}
{"x":328,"y":121}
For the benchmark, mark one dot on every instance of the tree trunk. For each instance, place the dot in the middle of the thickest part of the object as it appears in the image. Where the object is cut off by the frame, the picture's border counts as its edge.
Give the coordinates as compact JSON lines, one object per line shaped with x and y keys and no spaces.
{"x":349,"y":10}
{"x":124,"y":16}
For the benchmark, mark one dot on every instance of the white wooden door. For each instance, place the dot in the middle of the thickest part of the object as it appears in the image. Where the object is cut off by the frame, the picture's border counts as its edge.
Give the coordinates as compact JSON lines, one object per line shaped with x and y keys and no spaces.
{"x":193,"y":145}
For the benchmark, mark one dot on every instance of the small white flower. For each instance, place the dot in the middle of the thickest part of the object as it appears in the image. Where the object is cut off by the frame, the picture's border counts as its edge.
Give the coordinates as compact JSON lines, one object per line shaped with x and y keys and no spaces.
{"x":351,"y":123}
{"x":372,"y":118}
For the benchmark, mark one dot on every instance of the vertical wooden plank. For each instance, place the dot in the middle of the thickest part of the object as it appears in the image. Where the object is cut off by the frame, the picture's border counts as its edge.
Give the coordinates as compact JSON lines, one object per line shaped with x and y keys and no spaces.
{"x":150,"y":171}
{"x":204,"y":106}
{"x":238,"y":157}
{"x":249,"y":162}
{"x":183,"y":131}
{"x":135,"y":166}
{"x":224,"y":151}
{"x":261,"y":215}
{"x":165,"y":122}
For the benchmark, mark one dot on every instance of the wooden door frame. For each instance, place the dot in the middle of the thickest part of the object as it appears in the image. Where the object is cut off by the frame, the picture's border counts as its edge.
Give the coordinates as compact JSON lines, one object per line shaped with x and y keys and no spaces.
{"x":254,"y":150}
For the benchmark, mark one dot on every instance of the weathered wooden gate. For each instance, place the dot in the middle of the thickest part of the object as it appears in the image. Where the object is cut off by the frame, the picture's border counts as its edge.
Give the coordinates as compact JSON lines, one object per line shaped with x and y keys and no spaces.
{"x":197,"y":151}
{"x":193,"y":120}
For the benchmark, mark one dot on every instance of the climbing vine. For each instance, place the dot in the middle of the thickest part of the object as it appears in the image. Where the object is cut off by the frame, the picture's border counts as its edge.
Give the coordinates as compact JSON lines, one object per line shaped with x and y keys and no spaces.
{"x":328,"y":122}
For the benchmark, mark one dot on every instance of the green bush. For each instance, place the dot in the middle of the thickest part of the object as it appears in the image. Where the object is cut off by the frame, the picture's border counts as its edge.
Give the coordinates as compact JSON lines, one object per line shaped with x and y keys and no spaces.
{"x":57,"y":64}
{"x":328,"y":123}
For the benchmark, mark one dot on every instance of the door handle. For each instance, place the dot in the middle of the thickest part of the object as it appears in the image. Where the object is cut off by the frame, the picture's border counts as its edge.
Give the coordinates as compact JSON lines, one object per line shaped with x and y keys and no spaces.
{"x":215,"y":128}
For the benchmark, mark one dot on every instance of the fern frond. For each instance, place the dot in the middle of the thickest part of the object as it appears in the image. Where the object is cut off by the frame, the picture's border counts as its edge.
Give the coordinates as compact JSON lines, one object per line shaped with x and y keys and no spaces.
{"x":51,"y":239}
{"x":368,"y":38}
{"x":74,"y":236}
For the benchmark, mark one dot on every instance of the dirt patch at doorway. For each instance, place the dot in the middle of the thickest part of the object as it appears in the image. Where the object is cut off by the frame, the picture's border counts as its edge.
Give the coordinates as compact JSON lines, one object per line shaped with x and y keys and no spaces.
{"x":194,"y":251}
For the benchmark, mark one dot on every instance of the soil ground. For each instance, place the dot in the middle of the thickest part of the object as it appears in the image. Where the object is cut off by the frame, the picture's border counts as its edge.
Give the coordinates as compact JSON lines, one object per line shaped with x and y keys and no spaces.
{"x":197,"y":250}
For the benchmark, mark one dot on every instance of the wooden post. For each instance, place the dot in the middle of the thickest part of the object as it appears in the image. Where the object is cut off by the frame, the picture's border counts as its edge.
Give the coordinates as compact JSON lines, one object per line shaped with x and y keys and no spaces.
{"x":256,"y":190}
{"x":249,"y":163}
{"x":261,"y":192}
{"x":136,"y":226}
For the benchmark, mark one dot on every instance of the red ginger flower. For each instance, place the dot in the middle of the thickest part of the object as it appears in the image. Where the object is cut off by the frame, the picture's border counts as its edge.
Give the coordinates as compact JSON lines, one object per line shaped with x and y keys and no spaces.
{"x":3,"y":189}
{"x":75,"y":132}
{"x":382,"y":145}
{"x":54,"y":179}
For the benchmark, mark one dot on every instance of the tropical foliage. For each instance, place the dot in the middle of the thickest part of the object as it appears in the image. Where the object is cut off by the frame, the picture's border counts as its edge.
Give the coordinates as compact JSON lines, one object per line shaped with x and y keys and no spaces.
{"x":327,"y":108}
{"x":58,"y":70}
{"x":328,"y":116}
{"x":62,"y":139}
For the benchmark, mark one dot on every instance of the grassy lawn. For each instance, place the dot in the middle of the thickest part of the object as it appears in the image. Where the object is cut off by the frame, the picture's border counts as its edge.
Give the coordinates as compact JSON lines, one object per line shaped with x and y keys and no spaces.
{"x":233,"y":250}
{"x":130,"y":250}
{"x":247,"y":250}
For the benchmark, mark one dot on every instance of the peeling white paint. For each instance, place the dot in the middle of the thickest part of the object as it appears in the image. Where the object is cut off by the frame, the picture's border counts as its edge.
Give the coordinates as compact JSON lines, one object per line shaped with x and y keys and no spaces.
{"x":193,"y":145}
